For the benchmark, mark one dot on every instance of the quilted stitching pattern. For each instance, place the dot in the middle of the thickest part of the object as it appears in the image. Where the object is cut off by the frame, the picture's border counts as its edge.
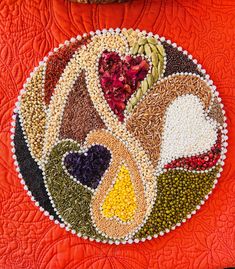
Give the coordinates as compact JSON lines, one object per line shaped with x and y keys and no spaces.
{"x":28,"y":30}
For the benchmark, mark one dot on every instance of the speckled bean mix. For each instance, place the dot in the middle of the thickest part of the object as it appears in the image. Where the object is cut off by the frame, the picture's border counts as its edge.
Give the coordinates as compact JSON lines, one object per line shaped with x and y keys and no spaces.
{"x":126,"y":134}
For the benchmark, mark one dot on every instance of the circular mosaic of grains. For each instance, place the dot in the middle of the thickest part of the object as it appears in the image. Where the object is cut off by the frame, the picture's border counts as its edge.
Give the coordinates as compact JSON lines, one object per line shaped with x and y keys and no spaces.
{"x":147,"y":120}
{"x":80,"y":116}
{"x":115,"y":228}
{"x":32,"y":112}
{"x":179,"y":192}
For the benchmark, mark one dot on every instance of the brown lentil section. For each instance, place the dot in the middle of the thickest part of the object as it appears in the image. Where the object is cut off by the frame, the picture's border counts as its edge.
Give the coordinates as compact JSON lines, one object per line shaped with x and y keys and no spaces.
{"x":216,"y":112}
{"x":147,"y":120}
{"x":80,"y":116}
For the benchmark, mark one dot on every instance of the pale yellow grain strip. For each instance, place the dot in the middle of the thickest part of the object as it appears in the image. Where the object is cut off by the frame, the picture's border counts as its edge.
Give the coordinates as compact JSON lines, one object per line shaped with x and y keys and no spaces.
{"x":33,"y":113}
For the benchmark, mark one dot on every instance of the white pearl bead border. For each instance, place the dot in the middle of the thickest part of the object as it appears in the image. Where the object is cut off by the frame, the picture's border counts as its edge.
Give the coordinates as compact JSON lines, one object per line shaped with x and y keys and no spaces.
{"x":130,"y":241}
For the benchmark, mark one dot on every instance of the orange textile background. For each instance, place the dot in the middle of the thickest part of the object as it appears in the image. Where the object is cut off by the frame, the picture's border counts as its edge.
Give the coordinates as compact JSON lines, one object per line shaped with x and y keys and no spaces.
{"x":29,"y":29}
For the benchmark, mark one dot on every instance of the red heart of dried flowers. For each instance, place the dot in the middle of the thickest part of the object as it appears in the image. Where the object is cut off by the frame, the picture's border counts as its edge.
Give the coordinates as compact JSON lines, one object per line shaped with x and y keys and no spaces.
{"x":119,"y":79}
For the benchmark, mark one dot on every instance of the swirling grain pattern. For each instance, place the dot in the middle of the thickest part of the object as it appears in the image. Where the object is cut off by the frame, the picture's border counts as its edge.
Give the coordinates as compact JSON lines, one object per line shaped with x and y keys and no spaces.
{"x":28,"y":30}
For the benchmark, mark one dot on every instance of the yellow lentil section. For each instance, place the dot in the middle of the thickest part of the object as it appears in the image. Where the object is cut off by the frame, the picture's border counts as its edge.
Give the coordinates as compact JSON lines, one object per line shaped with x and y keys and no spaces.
{"x":121,"y":200}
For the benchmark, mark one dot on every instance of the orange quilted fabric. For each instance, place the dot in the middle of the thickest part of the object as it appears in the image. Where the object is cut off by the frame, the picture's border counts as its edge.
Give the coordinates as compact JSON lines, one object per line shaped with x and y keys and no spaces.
{"x":28,"y":31}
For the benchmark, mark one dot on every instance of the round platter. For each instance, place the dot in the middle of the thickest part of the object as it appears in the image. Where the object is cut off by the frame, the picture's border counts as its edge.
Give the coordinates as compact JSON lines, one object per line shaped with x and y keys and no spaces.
{"x":119,"y":136}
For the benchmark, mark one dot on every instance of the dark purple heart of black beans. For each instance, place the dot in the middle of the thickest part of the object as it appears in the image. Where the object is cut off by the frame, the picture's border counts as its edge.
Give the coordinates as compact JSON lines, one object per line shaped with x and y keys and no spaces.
{"x":89,"y":167}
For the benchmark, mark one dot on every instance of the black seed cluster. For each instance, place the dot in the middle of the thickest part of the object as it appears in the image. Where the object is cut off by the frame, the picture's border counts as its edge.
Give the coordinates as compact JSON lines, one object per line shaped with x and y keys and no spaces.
{"x":178,"y":62}
{"x":30,"y":170}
